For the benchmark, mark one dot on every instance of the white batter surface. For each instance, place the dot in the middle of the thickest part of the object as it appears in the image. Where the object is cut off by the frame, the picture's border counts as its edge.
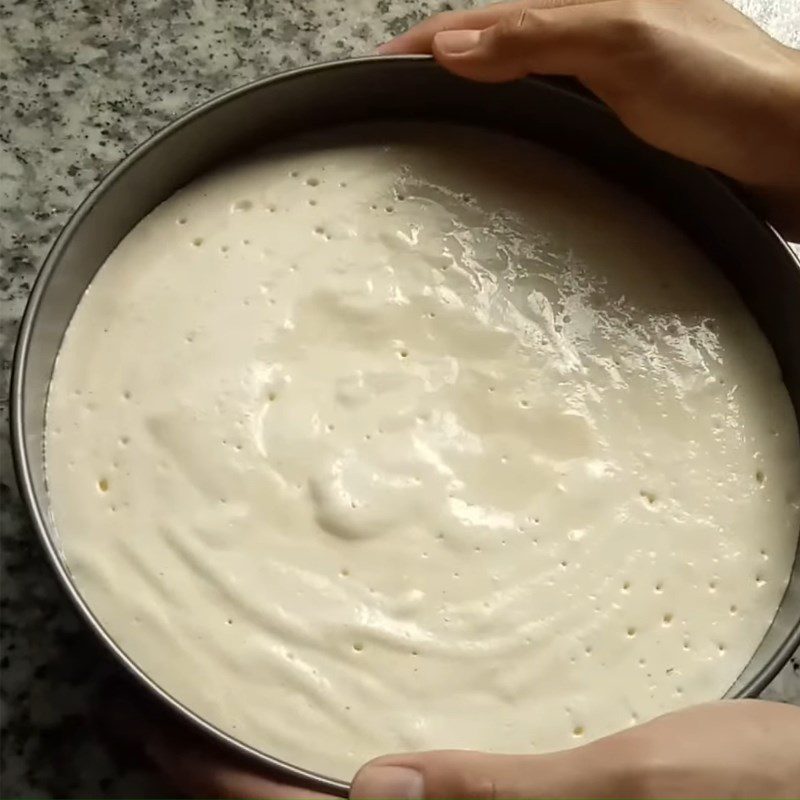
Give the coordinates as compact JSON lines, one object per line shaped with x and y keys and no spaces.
{"x":446,"y":443}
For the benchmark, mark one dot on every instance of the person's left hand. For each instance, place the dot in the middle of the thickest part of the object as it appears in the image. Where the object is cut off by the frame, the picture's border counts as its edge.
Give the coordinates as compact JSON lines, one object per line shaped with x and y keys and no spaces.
{"x":189,"y":761}
{"x":199,"y":769}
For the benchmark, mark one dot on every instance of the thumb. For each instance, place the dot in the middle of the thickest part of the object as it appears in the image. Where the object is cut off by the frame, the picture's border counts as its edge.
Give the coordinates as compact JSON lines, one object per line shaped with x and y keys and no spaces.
{"x":567,"y":40}
{"x":463,"y":774}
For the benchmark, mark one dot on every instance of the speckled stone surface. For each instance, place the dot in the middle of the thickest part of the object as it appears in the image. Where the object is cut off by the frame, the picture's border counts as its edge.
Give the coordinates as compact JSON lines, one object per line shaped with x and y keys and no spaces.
{"x":81,"y":83}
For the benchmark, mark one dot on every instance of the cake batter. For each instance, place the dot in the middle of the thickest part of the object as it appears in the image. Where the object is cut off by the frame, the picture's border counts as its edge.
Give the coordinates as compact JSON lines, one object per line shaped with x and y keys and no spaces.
{"x":361,"y":447}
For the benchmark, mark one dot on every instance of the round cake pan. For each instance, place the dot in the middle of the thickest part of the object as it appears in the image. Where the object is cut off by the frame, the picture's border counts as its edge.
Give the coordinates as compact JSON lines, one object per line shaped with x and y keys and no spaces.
{"x":555,"y":113}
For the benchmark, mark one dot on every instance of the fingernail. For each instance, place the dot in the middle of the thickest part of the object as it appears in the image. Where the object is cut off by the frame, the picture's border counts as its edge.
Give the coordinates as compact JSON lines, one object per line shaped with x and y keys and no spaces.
{"x":388,"y":783}
{"x":457,"y":43}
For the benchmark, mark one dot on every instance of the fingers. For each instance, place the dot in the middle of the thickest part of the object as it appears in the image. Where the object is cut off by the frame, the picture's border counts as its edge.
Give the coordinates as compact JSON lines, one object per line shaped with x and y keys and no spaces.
{"x":573,"y":40}
{"x":419,"y":39}
{"x":462,"y":774}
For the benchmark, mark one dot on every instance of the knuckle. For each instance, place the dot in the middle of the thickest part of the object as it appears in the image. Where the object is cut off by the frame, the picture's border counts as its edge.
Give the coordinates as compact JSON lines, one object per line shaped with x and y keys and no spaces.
{"x":633,"y":760}
{"x":480,"y":788}
{"x":518,"y":26}
{"x":635,"y":24}
{"x":470,"y":775}
{"x":486,"y":790}
{"x":650,"y":762}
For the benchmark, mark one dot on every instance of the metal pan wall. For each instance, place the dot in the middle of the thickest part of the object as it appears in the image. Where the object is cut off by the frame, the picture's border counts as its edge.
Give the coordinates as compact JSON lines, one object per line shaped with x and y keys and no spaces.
{"x":555,"y":113}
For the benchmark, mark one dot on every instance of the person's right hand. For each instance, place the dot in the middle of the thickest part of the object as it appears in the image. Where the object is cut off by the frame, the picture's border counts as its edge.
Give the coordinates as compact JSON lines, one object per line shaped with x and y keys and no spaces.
{"x":730,"y":749}
{"x":693,"y":77}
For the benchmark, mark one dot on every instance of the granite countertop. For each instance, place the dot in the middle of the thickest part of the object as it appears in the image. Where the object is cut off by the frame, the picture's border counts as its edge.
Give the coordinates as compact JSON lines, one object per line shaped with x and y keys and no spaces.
{"x":81,"y":83}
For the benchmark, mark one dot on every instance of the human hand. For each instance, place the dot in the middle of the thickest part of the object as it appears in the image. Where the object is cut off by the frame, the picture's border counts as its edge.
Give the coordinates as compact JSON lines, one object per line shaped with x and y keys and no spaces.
{"x":190,"y":762}
{"x":692,"y":77}
{"x":730,"y":749}
{"x":733,"y":748}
